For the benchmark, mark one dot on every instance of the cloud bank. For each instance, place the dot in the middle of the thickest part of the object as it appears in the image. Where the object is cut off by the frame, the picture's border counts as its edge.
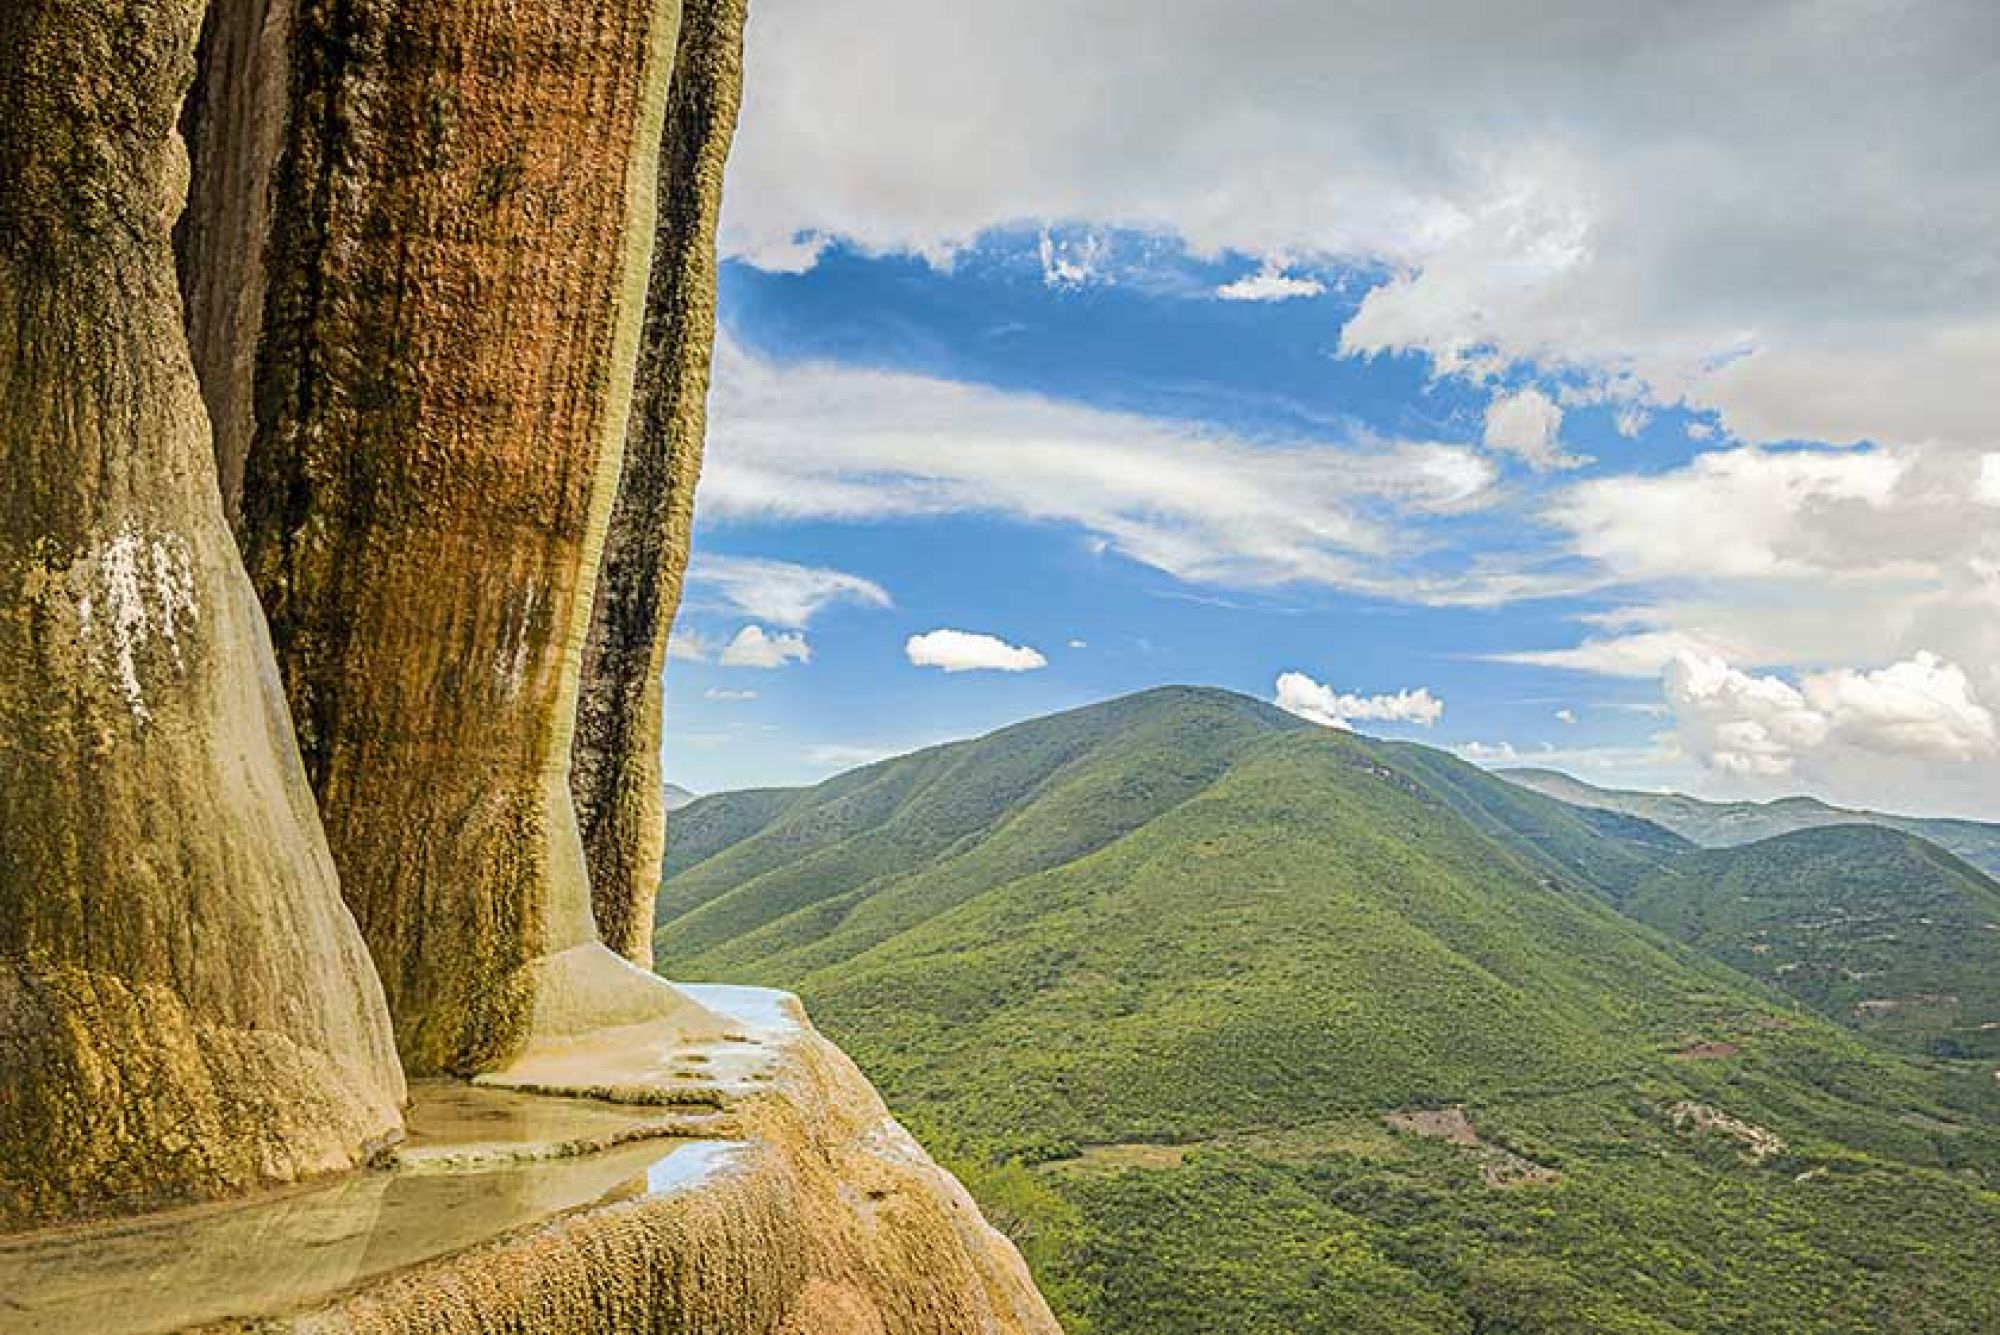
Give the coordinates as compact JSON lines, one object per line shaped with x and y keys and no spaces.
{"x":1671,"y":201}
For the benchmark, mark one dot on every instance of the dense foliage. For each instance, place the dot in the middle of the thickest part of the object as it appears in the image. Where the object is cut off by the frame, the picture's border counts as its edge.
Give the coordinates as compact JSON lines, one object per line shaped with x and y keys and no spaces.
{"x":1153,"y":974}
{"x":1873,"y":928}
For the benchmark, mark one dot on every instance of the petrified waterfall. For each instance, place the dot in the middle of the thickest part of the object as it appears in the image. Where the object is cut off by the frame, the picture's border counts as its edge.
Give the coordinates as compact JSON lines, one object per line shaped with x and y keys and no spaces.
{"x":185,"y":1007}
{"x":453,"y":269}
{"x":616,"y":774}
{"x":447,"y":274}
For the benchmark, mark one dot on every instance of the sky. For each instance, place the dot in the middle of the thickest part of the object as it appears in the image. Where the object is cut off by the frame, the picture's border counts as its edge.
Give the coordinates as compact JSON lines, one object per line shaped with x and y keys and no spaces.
{"x":1609,"y":387}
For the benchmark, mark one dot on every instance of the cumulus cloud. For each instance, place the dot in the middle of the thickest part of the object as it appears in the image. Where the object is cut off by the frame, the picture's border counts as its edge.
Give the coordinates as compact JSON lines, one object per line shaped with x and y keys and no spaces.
{"x":1607,"y":193}
{"x":1270,"y":283}
{"x":825,"y":442}
{"x":1528,"y":423}
{"x":778,"y":591}
{"x":1763,"y":727}
{"x":968,"y":651}
{"x":723,"y":696}
{"x":755,"y":647}
{"x":1566,"y":716}
{"x":1301,"y":695}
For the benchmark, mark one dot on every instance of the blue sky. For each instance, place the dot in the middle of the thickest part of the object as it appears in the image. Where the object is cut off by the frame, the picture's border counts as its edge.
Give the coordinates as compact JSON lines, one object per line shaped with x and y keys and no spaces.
{"x":1544,"y":418}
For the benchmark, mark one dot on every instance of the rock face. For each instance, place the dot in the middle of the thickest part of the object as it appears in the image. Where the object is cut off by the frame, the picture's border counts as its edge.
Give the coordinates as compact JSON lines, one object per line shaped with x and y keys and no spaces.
{"x":186,"y":1008}
{"x":615,"y":775}
{"x":454,"y":266}
{"x":415,"y":278}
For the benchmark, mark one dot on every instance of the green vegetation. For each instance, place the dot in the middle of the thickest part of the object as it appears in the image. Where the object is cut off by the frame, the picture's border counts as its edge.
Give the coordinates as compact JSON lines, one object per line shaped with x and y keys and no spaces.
{"x":1873,"y":928}
{"x":1152,"y":974}
{"x":1728,"y":824}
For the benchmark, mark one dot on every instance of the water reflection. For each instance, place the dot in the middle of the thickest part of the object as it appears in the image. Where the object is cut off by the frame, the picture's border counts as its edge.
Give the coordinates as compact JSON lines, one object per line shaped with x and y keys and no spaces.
{"x":164,"y":1272}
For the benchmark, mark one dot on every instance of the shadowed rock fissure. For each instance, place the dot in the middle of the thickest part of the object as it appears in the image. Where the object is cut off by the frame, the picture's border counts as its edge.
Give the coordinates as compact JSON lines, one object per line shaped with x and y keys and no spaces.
{"x":615,"y":775}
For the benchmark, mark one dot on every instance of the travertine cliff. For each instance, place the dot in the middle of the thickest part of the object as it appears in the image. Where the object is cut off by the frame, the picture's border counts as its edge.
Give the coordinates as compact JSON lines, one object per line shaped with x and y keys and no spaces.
{"x":453,"y":262}
{"x":448,"y":278}
{"x":185,"y":1007}
{"x":615,"y":771}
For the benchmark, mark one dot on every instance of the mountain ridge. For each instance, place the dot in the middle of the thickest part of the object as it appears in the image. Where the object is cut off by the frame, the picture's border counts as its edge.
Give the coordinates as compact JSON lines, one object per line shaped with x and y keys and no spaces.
{"x":1729,"y":824}
{"x":1179,"y":984}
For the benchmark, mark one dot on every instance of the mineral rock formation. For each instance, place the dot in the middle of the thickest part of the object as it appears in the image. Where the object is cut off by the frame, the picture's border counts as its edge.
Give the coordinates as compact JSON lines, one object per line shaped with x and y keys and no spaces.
{"x":454,"y":262}
{"x":773,"y":1196}
{"x":616,"y":773}
{"x":186,"y":1008}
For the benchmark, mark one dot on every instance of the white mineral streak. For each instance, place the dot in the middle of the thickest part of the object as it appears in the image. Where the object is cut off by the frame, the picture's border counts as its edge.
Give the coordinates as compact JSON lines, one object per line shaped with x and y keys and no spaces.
{"x":137,"y":590}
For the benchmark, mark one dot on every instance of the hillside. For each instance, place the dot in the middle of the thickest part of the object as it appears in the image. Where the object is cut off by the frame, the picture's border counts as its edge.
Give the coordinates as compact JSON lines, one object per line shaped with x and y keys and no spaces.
{"x":1727,"y":824}
{"x":1157,"y":973}
{"x":1874,"y":928}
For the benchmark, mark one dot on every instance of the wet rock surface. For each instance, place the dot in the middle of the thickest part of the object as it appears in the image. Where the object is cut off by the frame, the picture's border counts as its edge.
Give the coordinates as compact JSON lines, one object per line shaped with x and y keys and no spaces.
{"x":752,"y":1183}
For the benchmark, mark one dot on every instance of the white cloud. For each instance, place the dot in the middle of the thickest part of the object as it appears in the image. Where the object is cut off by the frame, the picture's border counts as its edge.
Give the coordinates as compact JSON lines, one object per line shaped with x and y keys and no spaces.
{"x":1610,"y":195}
{"x":780,"y":592}
{"x":1270,"y":283}
{"x":1488,"y":753}
{"x":1070,"y":262}
{"x":1301,"y":695}
{"x":1566,"y":716}
{"x":967,"y":651}
{"x":821,"y":442}
{"x":1922,"y":710}
{"x":1529,"y":423}
{"x":724,"y":696}
{"x":1642,"y":655}
{"x":1079,"y":644}
{"x":755,"y":647}
{"x":687,"y":645}
{"x":1732,"y":514}
{"x":1987,"y":489}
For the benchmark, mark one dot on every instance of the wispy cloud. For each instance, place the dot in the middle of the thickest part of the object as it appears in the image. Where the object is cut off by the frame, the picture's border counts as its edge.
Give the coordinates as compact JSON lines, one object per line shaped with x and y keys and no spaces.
{"x":1270,"y":283}
{"x":827,"y":442}
{"x":779,"y":591}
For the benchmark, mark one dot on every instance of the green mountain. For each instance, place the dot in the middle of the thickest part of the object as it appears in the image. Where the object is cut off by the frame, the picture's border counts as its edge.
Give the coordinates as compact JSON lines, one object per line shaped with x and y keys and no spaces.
{"x":1727,"y":824}
{"x":1246,"y":1026}
{"x":1877,"y":929}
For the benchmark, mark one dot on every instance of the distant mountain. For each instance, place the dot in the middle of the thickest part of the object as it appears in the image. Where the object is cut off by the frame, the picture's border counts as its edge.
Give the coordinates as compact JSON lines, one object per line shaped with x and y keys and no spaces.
{"x":678,"y":797}
{"x":1875,"y":928}
{"x":1246,"y":1025}
{"x":1726,"y":824}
